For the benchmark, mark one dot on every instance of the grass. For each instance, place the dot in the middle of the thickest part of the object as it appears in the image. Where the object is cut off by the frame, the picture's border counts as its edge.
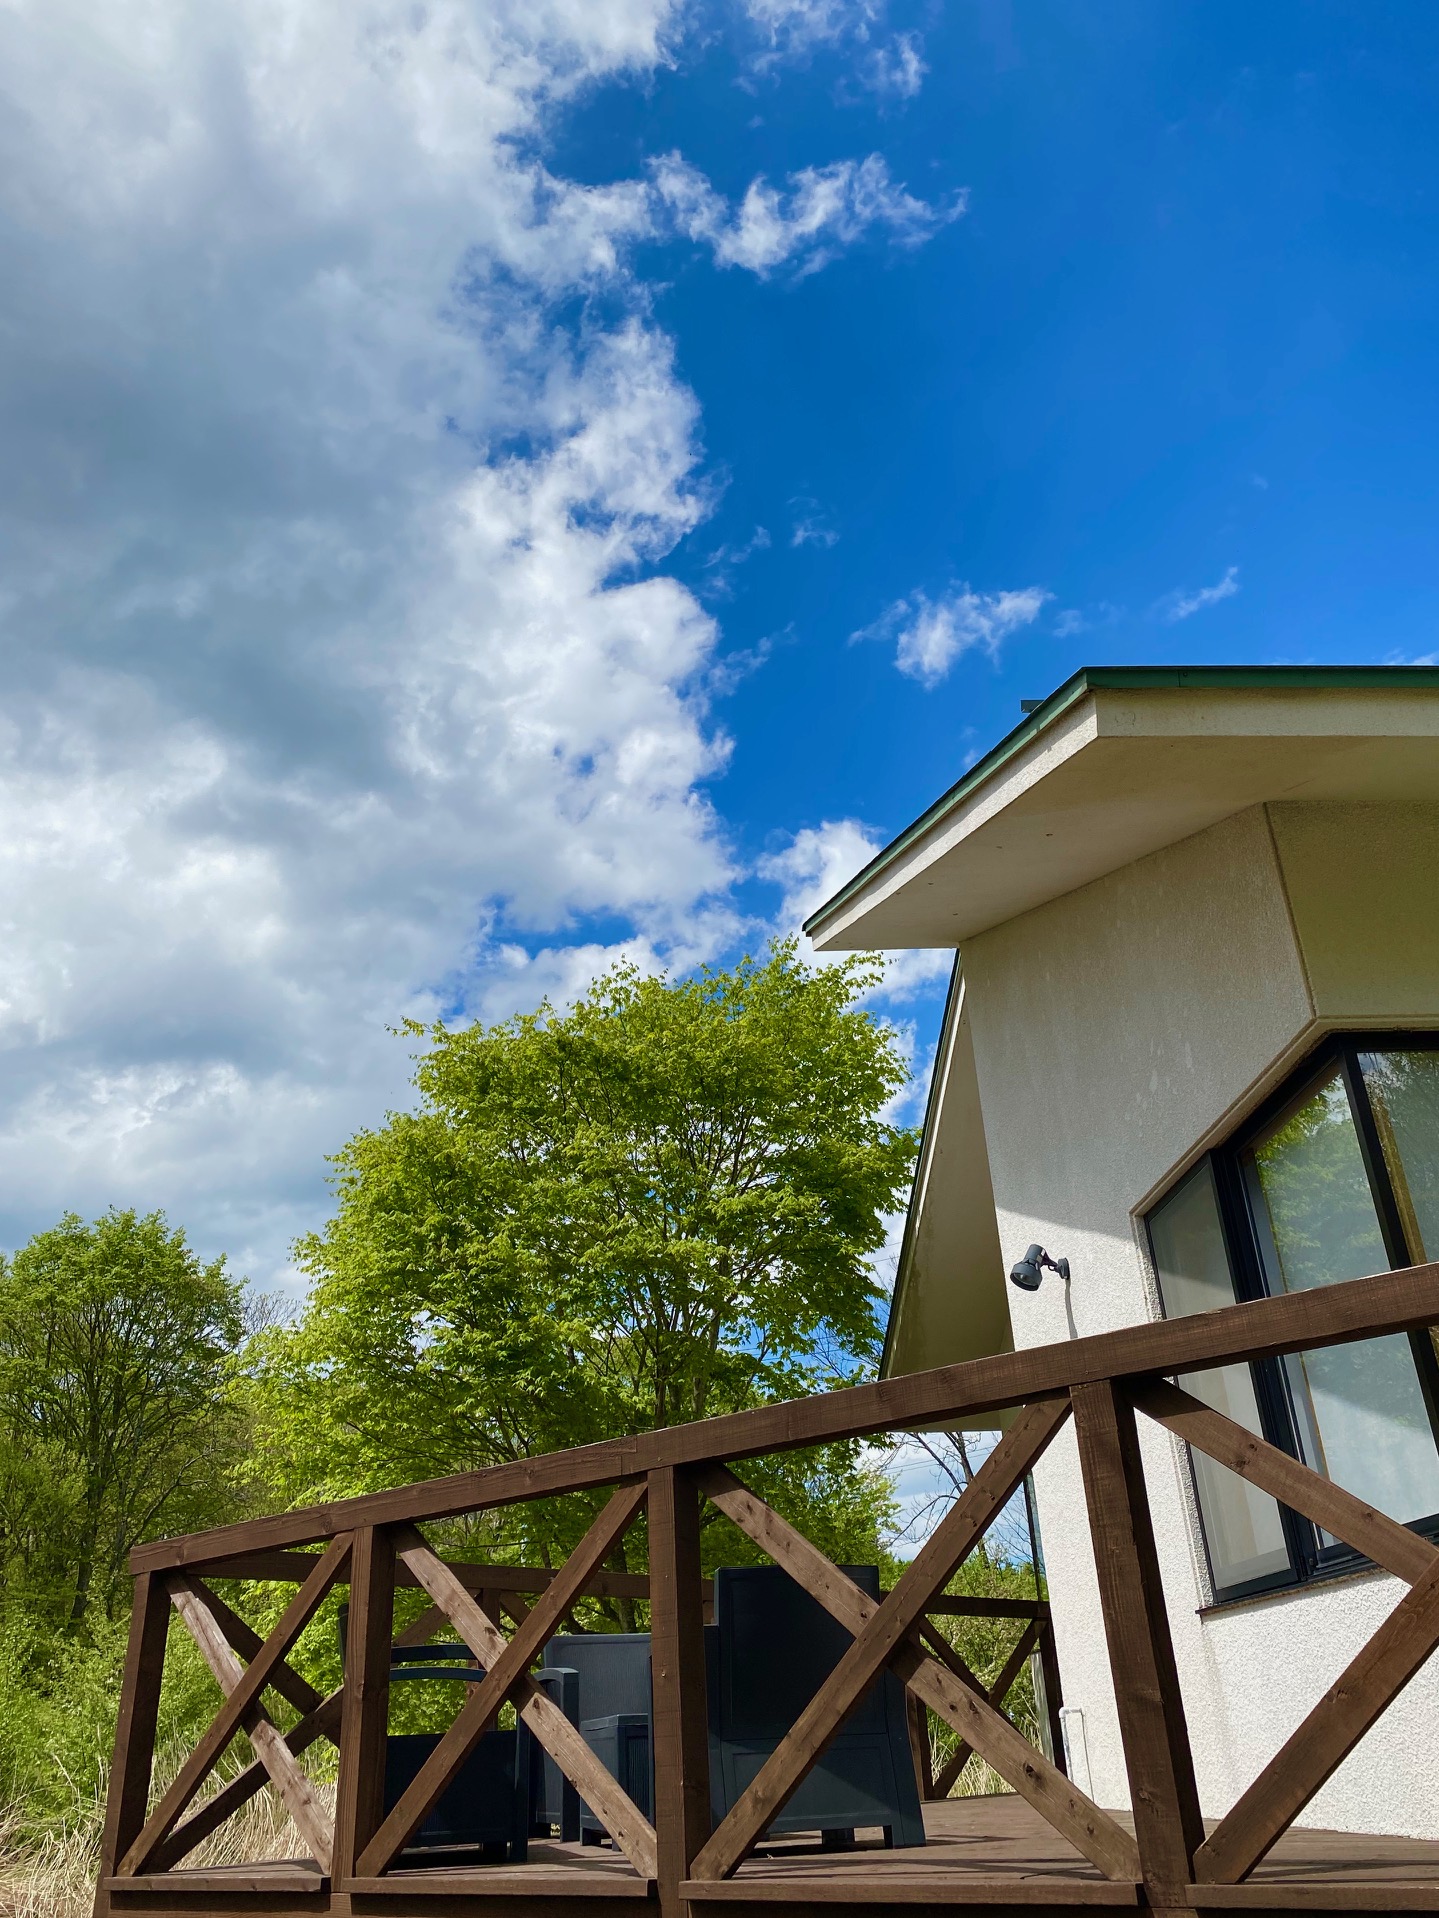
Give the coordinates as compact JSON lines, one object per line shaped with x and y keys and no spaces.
{"x":54,"y":1876}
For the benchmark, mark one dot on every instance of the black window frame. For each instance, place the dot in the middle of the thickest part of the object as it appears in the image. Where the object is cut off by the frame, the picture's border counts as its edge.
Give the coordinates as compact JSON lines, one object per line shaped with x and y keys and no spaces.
{"x":1241,"y":1227}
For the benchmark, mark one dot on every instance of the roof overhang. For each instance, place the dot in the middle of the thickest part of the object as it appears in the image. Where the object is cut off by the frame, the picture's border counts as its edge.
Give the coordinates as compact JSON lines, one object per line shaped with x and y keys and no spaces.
{"x":1122,"y":761}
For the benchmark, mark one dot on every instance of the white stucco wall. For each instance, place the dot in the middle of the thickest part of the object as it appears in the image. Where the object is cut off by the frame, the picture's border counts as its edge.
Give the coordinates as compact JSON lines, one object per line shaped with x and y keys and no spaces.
{"x":1117,"y":1031}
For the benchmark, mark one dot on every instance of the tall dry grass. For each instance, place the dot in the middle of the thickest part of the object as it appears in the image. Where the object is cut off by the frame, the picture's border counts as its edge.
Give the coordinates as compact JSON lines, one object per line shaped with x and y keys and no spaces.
{"x":54,"y":1876}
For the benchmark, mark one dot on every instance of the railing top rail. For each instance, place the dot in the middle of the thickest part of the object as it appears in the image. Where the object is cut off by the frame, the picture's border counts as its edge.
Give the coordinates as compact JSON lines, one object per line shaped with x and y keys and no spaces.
{"x":1264,"y":1328}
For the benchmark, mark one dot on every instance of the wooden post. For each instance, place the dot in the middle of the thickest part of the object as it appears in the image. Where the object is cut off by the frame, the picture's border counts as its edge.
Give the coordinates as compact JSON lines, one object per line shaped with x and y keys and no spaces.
{"x":1053,"y":1692}
{"x":677,"y":1667}
{"x":360,"y":1793}
{"x":919,"y":1746}
{"x":1157,"y":1757}
{"x":135,"y":1726}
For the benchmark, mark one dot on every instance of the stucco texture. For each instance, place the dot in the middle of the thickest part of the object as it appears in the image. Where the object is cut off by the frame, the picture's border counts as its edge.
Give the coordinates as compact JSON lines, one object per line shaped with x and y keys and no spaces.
{"x":1117,"y":1031}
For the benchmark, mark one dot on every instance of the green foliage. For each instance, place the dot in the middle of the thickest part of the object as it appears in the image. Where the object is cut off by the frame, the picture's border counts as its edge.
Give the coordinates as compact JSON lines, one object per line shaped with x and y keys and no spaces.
{"x":115,"y":1412}
{"x":985,"y":1645}
{"x":58,"y":1696}
{"x":656,"y":1207}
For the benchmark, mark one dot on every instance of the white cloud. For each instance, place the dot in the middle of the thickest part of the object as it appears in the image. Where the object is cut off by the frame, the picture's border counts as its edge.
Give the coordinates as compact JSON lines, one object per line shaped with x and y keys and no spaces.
{"x":802,"y":225}
{"x":337,"y":669}
{"x":1183,"y":605}
{"x":810,"y":525}
{"x":794,"y":30}
{"x":815,"y":864}
{"x":930,"y":634}
{"x":341,"y":675}
{"x":790,"y":27}
{"x":896,"y":70}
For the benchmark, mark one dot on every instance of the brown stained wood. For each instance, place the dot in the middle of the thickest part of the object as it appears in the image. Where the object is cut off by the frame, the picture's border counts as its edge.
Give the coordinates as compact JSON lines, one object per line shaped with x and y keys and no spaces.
{"x":135,"y":1723}
{"x":1167,"y":1821}
{"x":1053,"y":1691}
{"x":246,"y":1641}
{"x":606,"y":1798}
{"x":1013,"y":1665}
{"x":266,"y":1878}
{"x":940,"y":1648}
{"x":960,"y":1704}
{"x":881,"y":1636}
{"x":364,"y":1728}
{"x":198,"y":1765}
{"x":323,"y":1722}
{"x":1026,"y":1770}
{"x":534,"y":1884}
{"x":1371,"y":1532}
{"x":296,"y":1790}
{"x":421,"y":1630}
{"x":482,"y":1707}
{"x":292,"y":1568}
{"x":1309,"y":1897}
{"x":1261,"y":1328}
{"x":1371,"y":1682}
{"x":996,"y":1696}
{"x":935,"y":1890}
{"x":987,"y":1856}
{"x":679,"y":1707}
{"x":916,"y":1720}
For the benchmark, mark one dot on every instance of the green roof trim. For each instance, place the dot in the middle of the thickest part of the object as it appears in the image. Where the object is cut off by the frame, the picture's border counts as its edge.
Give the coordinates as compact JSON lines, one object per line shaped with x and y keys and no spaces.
{"x":1126,"y":679}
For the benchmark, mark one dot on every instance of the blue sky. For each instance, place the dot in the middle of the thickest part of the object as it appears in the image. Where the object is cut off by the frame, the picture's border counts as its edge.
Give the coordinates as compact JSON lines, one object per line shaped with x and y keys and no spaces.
{"x":487,"y":489}
{"x":1184,"y":335}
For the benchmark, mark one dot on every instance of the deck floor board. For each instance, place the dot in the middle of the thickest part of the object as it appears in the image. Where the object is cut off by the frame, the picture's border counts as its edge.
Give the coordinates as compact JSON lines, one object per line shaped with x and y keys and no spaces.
{"x":982,"y":1852}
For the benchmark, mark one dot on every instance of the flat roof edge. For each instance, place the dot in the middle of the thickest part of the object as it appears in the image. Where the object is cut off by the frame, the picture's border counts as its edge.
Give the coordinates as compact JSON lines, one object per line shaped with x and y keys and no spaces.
{"x":1122,"y":679}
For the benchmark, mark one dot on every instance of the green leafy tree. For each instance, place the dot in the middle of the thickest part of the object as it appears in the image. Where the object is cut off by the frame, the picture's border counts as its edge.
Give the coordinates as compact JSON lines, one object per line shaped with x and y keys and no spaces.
{"x":656,"y":1207}
{"x":116,"y":1414}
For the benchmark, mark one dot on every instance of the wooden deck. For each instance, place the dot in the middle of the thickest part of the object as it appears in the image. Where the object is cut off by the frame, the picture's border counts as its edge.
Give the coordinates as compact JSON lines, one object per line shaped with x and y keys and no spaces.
{"x":984,"y":1854}
{"x":1049,"y":1846}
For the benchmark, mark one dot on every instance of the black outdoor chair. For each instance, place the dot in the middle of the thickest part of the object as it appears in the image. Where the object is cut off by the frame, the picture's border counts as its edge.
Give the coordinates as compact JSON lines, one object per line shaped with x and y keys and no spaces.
{"x":599,"y":1679}
{"x":490,"y":1805}
{"x":768,"y":1652}
{"x":770,"y":1649}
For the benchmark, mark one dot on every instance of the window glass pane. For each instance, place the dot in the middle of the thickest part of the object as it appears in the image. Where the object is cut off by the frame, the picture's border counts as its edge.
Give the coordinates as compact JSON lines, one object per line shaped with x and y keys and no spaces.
{"x":1404,"y":1092}
{"x":1242,"y":1527}
{"x":1363,"y":1415}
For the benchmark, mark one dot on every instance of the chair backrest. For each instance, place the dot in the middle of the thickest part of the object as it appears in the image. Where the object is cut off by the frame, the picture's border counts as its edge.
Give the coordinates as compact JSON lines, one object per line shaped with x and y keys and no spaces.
{"x":773,"y":1647}
{"x":613,"y":1668}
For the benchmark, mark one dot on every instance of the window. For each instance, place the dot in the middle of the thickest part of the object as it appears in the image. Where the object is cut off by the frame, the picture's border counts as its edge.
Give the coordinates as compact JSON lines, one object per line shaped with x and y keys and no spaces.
{"x":1336,"y":1177}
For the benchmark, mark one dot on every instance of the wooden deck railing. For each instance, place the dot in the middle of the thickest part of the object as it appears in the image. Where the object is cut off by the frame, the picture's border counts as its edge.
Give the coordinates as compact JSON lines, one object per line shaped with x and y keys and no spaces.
{"x":374,"y":1544}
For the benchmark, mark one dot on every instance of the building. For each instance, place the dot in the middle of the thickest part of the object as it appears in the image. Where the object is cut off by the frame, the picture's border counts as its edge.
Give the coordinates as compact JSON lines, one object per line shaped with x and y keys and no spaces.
{"x":1192,"y":1046}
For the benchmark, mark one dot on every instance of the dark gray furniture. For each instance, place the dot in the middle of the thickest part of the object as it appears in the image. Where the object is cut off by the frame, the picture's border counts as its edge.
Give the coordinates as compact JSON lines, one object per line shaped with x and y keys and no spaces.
{"x":596,"y":1676}
{"x":767,"y":1653}
{"x":490,"y":1805}
{"x":770,"y":1649}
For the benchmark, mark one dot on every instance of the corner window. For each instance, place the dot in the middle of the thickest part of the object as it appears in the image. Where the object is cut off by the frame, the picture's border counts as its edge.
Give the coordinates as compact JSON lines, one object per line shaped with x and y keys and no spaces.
{"x":1335,"y":1178}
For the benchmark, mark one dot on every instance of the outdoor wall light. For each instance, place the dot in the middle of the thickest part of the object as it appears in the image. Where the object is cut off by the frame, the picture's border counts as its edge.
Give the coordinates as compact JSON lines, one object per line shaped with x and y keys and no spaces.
{"x":1029,"y":1270}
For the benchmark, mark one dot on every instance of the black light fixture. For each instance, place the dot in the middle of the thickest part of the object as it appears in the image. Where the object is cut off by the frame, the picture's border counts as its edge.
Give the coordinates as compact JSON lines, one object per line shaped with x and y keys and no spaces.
{"x":1029,"y":1270}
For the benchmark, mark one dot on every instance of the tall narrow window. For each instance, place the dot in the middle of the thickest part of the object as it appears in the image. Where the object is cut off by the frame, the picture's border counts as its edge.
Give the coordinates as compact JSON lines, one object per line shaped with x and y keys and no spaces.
{"x":1403,"y":1089}
{"x":1242,"y":1525}
{"x":1335,"y":1178}
{"x":1360,"y":1410}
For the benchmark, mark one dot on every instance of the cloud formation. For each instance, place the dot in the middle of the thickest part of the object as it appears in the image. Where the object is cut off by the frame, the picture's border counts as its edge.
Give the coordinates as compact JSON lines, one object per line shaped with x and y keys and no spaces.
{"x":895,"y":70}
{"x":802,"y":225}
{"x":1183,"y":605}
{"x":811,"y":868}
{"x":791,"y":27}
{"x":342,"y":677}
{"x":929,"y":635}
